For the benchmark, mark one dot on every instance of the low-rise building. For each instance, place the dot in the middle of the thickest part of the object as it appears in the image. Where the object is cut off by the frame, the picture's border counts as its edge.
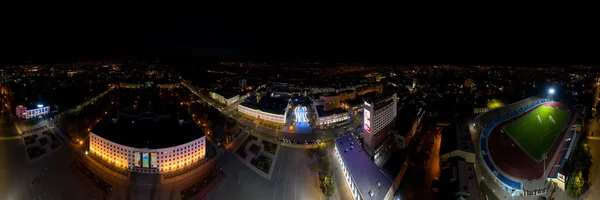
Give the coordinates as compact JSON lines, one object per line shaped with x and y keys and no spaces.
{"x":29,"y":112}
{"x":457,"y":161}
{"x":332,"y":116}
{"x":225,"y":97}
{"x":365,"y":180}
{"x":265,"y":108}
{"x":458,"y":180}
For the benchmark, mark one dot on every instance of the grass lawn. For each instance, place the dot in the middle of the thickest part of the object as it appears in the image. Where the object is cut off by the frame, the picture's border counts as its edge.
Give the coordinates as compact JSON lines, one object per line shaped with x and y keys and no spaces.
{"x":536,"y":132}
{"x":32,"y":122}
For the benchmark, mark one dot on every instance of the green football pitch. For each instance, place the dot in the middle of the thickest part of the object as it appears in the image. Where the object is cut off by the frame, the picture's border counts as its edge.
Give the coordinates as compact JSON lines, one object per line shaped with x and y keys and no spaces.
{"x":536,"y":132}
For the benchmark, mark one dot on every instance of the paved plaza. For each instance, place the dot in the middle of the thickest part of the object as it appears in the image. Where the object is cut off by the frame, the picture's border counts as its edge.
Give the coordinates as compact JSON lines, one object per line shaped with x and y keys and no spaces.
{"x":294,"y":177}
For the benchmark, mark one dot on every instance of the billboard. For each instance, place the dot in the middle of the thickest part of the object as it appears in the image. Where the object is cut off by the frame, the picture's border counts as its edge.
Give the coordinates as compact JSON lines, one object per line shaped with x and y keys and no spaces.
{"x":367,"y":120}
{"x":145,"y":160}
{"x":136,"y":159}
{"x":153,"y":159}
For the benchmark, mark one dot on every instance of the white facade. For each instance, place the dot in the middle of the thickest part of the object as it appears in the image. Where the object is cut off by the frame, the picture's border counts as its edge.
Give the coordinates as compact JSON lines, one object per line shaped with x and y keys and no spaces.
{"x":278,"y":118}
{"x":378,"y":119}
{"x":24,"y":113}
{"x":167,"y":159}
{"x":335,"y":118}
{"x":224,"y":100}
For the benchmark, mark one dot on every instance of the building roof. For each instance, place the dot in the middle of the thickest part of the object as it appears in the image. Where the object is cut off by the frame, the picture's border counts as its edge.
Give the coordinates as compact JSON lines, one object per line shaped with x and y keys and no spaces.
{"x":267,"y":104}
{"x":458,"y":179}
{"x":227,"y":94}
{"x":147,"y":129}
{"x":405,"y":119}
{"x":354,"y":102}
{"x":456,"y":137}
{"x":364,"y":172}
{"x":322,"y":113}
{"x":394,"y":164}
{"x":378,"y":100}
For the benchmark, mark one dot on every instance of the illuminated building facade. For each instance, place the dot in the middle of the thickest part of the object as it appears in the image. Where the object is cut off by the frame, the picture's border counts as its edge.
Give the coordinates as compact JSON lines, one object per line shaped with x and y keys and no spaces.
{"x":226,"y":98}
{"x":266,"y":108}
{"x":39,"y":111}
{"x":365,"y":180}
{"x":379,"y":114}
{"x":147,"y":142}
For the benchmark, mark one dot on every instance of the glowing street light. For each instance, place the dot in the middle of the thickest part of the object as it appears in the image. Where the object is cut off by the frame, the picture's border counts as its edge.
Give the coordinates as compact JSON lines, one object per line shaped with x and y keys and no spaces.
{"x":551,"y":91}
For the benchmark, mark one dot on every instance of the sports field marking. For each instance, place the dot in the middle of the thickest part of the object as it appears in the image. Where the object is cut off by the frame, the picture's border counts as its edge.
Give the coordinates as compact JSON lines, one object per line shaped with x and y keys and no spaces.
{"x":536,"y":131}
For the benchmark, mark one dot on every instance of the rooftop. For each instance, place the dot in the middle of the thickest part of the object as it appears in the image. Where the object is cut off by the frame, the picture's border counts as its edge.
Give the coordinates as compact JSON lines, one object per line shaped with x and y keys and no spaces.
{"x":458,"y":177}
{"x":405,"y":119}
{"x":228,"y":94}
{"x":456,"y":137}
{"x":364,"y":172}
{"x":267,"y":104}
{"x":354,"y":102}
{"x":322,"y":113}
{"x":378,"y":100}
{"x":147,"y":129}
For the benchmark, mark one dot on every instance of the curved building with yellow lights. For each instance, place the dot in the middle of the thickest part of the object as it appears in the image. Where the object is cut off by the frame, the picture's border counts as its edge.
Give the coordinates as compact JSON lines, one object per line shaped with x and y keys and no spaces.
{"x":148,"y":142}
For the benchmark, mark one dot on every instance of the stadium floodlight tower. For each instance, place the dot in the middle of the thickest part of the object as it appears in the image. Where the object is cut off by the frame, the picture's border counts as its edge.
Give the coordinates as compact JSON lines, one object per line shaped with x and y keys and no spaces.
{"x":550,"y":93}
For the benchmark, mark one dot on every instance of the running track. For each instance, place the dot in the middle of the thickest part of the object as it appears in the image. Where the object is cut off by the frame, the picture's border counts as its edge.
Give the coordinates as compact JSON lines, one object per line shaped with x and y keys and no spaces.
{"x":511,"y":159}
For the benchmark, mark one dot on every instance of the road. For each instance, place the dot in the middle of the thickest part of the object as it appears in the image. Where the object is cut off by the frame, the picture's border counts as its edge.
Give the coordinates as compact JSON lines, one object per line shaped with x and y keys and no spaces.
{"x":314,"y":135}
{"x":294,"y":177}
{"x":432,"y":166}
{"x":594,"y":144}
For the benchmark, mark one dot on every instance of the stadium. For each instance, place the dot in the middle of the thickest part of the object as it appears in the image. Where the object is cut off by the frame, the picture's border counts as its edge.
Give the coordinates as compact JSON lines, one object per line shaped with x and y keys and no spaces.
{"x":522,"y":147}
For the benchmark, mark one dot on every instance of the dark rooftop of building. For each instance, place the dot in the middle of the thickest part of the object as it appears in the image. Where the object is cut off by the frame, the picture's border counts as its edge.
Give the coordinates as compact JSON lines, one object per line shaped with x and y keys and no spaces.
{"x":458,"y":179}
{"x":405,"y":119}
{"x":228,"y":94}
{"x":267,"y":104}
{"x":154,"y":130}
{"x":322,"y":113}
{"x":456,"y":137}
{"x":395,"y":162}
{"x":354,"y":102}
{"x":378,"y":99}
{"x":364,"y":172}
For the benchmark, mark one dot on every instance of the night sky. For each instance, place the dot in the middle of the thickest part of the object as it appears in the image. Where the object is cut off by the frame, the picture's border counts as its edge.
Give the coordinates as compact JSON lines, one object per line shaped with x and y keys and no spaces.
{"x":461,"y":37}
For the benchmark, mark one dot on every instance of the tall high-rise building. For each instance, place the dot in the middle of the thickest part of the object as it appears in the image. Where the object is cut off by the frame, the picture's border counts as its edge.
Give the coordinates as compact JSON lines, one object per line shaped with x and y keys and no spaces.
{"x":380,"y":112}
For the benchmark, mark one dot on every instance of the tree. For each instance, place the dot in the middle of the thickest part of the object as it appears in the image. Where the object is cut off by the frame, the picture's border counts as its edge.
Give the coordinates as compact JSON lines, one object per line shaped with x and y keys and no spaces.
{"x":575,"y":185}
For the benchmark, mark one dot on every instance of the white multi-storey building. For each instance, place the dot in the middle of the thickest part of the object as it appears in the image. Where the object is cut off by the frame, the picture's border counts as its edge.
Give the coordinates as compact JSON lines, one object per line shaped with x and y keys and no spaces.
{"x":147,"y":143}
{"x":38,"y":111}
{"x":226,"y":98}
{"x":379,"y":114}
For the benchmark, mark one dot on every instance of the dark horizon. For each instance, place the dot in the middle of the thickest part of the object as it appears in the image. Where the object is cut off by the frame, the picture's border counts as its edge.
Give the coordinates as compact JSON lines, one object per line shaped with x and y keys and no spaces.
{"x":347,"y":38}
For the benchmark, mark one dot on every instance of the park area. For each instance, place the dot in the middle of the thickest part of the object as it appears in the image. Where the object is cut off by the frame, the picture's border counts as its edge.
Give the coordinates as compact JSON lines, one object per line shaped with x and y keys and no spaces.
{"x":536,"y":131}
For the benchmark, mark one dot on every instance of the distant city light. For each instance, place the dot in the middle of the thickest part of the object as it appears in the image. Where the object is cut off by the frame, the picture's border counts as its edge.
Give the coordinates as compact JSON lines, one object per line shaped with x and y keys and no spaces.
{"x":40,"y":105}
{"x":551,"y":91}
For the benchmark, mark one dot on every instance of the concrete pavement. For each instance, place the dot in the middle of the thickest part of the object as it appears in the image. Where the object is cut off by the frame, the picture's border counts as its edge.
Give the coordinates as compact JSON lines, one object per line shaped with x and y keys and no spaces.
{"x":293,"y":178}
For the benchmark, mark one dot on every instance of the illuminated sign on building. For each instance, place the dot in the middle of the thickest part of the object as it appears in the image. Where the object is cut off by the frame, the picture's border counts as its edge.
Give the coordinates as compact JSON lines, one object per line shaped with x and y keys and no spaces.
{"x":145,"y":161}
{"x":367,"y":104}
{"x":137,"y":160}
{"x":153,"y":159}
{"x":367,"y":120}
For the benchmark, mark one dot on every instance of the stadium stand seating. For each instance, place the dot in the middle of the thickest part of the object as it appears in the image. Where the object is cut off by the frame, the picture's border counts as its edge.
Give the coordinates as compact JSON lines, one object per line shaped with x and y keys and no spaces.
{"x":492,"y":118}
